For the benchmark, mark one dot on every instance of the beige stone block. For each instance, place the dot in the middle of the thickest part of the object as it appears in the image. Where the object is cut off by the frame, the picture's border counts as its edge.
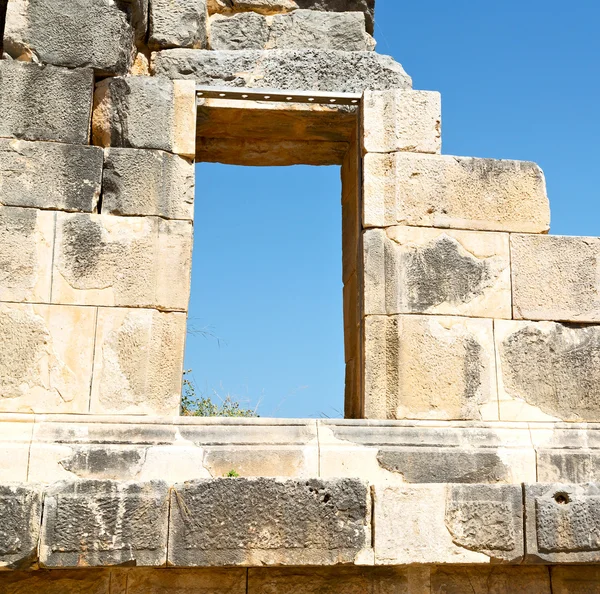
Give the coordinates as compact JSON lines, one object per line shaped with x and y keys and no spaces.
{"x":186,"y":581}
{"x":15,"y":441}
{"x":429,"y":367}
{"x":26,"y":240}
{"x":87,"y":581}
{"x":455,"y":192}
{"x":423,"y":270}
{"x":491,"y":580}
{"x":46,"y":357}
{"x":575,"y":580}
{"x":556,"y":277}
{"x":138,"y":362}
{"x":402,"y":121}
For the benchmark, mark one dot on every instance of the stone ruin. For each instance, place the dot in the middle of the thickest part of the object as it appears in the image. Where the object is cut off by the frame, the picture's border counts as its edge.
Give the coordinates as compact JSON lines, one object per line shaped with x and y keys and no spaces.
{"x":470,"y":451}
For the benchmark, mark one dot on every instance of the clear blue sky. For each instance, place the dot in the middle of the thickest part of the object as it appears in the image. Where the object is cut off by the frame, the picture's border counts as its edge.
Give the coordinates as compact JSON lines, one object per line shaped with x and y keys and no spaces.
{"x":519,"y":80}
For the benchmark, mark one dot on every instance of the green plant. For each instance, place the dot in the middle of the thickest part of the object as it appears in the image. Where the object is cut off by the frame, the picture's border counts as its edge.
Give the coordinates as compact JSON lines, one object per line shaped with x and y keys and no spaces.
{"x":232,"y":474}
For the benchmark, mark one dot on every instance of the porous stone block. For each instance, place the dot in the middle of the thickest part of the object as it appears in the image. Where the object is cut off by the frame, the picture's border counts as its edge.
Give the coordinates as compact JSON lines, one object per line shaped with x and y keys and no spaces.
{"x":138,"y":362}
{"x":575,"y":580}
{"x":429,"y":367}
{"x":273,"y":522}
{"x":45,"y":102}
{"x":147,"y":182}
{"x":90,"y":581}
{"x":186,"y":581}
{"x":179,"y":23}
{"x":259,"y":6}
{"x":456,"y":192}
{"x":244,"y":30}
{"x":496,"y":579}
{"x":556,"y":278}
{"x":50,"y":175}
{"x":366,"y":6}
{"x":548,"y":371}
{"x":20,"y":518}
{"x":100,"y":523}
{"x":402,"y":121}
{"x":145,"y":112}
{"x":26,"y":240}
{"x":459,"y":524}
{"x":122,"y":261}
{"x":311,"y":70}
{"x":45,"y":358}
{"x":72,"y":34}
{"x":434,"y":271}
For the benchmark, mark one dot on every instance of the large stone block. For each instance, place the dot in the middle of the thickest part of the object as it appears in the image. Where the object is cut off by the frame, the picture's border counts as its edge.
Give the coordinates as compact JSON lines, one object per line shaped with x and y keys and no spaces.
{"x":91,"y":581}
{"x":50,"y":175}
{"x":145,"y":112}
{"x":259,"y":6}
{"x":45,"y":102}
{"x":245,"y":30}
{"x":76,"y":34}
{"x":496,"y":579}
{"x":20,"y":518}
{"x":45,"y":358}
{"x":15,"y":447}
{"x":581,"y":465}
{"x":177,"y":24}
{"x":122,"y":261}
{"x":146,"y":182}
{"x":186,"y":581}
{"x":429,"y":367}
{"x":273,"y":522}
{"x":548,"y":371}
{"x":434,"y":271}
{"x":457,"y":192}
{"x":575,"y":580}
{"x":311,"y":70}
{"x":99,"y":523}
{"x":366,"y":6}
{"x":556,"y":278}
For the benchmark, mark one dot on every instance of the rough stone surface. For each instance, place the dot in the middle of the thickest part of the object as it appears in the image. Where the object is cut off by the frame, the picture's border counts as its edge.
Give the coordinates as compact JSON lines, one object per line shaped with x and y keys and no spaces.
{"x":421,"y":270}
{"x":429,"y":367}
{"x":311,"y":70}
{"x":146,"y":182}
{"x":496,"y":579}
{"x":366,"y":6}
{"x":556,"y":278}
{"x":456,"y":192}
{"x":245,"y":30}
{"x":45,"y":102}
{"x":98,"y":523}
{"x":259,"y":6}
{"x":292,"y":522}
{"x":20,"y":517}
{"x":179,"y":23}
{"x":50,"y":175}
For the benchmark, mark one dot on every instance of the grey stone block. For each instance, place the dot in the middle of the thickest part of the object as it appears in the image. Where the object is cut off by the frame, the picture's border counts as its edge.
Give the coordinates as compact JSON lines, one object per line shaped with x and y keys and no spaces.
{"x":268,"y":522}
{"x":571,"y":465}
{"x":50,"y":175}
{"x":311,"y":70}
{"x":245,"y":30}
{"x":366,"y":6}
{"x":20,"y":518}
{"x":99,"y":523}
{"x":179,"y":23}
{"x":45,"y":102}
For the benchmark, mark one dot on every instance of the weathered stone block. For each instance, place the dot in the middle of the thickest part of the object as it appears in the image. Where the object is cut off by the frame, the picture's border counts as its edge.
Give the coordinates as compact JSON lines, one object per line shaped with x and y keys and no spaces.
{"x":186,"y":581}
{"x":259,"y":6}
{"x":556,"y":278}
{"x":45,"y":358}
{"x":458,"y":192}
{"x":548,"y":371}
{"x":429,"y":367}
{"x":146,"y":182}
{"x":45,"y":102}
{"x":366,"y":6}
{"x":311,"y":70}
{"x":245,"y":30}
{"x":422,"y":270}
{"x":15,"y":446}
{"x":50,"y":175}
{"x":177,"y":24}
{"x":91,"y":581}
{"x":581,"y":465}
{"x":575,"y":580}
{"x":273,"y":522}
{"x":20,"y":518}
{"x":496,"y":579}
{"x":145,"y":112}
{"x":100,"y":523}
{"x":72,"y":34}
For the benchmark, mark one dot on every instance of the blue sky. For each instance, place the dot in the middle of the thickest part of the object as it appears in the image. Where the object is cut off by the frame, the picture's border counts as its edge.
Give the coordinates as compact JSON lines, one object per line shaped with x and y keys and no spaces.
{"x":519,"y":80}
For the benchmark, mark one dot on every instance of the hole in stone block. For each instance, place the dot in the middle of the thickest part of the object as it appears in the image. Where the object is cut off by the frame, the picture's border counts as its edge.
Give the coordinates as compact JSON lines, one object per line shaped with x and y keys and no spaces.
{"x":562,"y":498}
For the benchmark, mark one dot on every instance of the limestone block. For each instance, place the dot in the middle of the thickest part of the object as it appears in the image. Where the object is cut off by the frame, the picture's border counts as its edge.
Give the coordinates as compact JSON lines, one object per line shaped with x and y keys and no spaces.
{"x":429,"y":367}
{"x":45,"y":102}
{"x":366,"y":6}
{"x":50,"y":175}
{"x":98,"y":35}
{"x":90,"y":581}
{"x":122,"y":261}
{"x":45,"y":358}
{"x":146,"y":182}
{"x":556,"y":278}
{"x":145,"y":112}
{"x":422,"y":270}
{"x":273,"y":522}
{"x":186,"y":581}
{"x":15,"y":443}
{"x":179,"y":23}
{"x":245,"y":30}
{"x":20,"y":518}
{"x":311,"y":70}
{"x":26,"y":240}
{"x":575,"y":580}
{"x":456,"y":192}
{"x":402,"y":121}
{"x":259,"y":6}
{"x":497,"y":579}
{"x":548,"y":371}
{"x":568,"y":466}
{"x":138,"y":362}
